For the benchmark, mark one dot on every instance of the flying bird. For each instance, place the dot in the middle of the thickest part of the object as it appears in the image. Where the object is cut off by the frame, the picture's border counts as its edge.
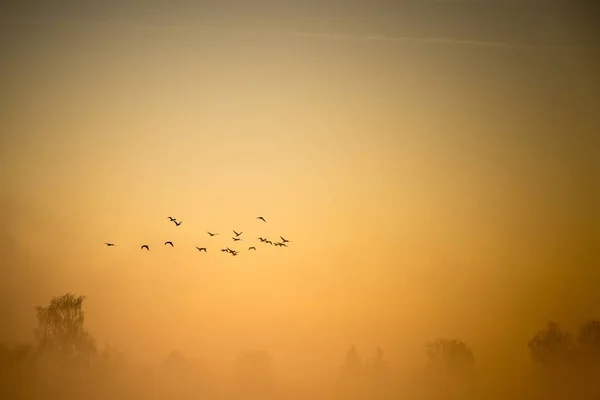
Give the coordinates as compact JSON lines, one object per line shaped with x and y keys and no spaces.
{"x":234,"y":253}
{"x":169,"y":242}
{"x":268,"y":241}
{"x":237,"y":234}
{"x":177,"y":223}
{"x":251,"y":248}
{"x":261,"y":218}
{"x":225,"y":250}
{"x":145,"y":246}
{"x":262,"y":239}
{"x":172,"y":219}
{"x":235,"y":239}
{"x":109,"y":244}
{"x":201,"y":249}
{"x":212,"y":234}
{"x":280,"y":244}
{"x":284,"y":240}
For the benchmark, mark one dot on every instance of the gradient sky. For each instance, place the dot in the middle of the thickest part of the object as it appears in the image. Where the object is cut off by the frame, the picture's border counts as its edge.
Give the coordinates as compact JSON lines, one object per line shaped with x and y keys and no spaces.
{"x":437,"y":178}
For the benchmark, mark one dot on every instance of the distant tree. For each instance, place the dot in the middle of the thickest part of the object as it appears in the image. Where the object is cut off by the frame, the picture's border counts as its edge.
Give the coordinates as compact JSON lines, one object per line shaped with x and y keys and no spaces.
{"x":175,"y":362}
{"x":587,"y":369}
{"x":450,"y":370}
{"x":379,"y":383}
{"x":254,"y":375}
{"x":450,"y":356}
{"x":552,"y":346}
{"x":567,"y":364}
{"x":177,"y":379}
{"x":16,"y":371}
{"x":61,"y":327}
{"x":379,"y":367}
{"x":352,"y":375}
{"x":353,"y":364}
{"x":588,"y":339}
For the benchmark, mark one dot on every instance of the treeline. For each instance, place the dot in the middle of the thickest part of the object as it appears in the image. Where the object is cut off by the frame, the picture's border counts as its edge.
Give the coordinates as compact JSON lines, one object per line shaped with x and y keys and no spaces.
{"x":65,"y":363}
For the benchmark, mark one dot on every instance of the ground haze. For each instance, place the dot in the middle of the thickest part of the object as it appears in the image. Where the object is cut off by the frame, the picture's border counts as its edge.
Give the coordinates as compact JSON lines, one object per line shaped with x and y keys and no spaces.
{"x":435,"y":165}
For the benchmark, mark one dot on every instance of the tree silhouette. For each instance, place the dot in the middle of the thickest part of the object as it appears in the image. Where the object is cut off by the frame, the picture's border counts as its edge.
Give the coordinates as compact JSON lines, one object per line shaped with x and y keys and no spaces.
{"x":552,"y":346}
{"x":588,"y":339}
{"x":450,"y":371}
{"x":16,"y":371}
{"x":61,"y":327}
{"x":588,"y":358}
{"x":254,"y":375}
{"x":351,"y":375}
{"x":379,"y":367}
{"x":565,"y":366}
{"x":450,"y":355}
{"x":379,"y":386}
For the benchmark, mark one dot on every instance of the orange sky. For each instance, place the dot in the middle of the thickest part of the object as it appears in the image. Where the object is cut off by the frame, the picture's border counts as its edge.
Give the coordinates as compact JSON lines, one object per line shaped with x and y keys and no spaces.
{"x":428,"y":189}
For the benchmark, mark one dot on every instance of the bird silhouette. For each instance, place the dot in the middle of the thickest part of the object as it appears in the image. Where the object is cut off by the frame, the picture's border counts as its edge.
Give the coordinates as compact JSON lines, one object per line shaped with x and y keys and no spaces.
{"x":109,"y":244}
{"x":145,"y":246}
{"x":234,"y":253}
{"x":251,"y":248}
{"x":172,"y":219}
{"x":235,"y":239}
{"x":280,"y":244}
{"x":169,"y":242}
{"x":212,"y":234}
{"x":225,"y":250}
{"x":269,"y":242}
{"x":177,"y":223}
{"x":262,"y":239}
{"x":237,"y":234}
{"x":284,"y":240}
{"x":262,"y":219}
{"x":201,"y":249}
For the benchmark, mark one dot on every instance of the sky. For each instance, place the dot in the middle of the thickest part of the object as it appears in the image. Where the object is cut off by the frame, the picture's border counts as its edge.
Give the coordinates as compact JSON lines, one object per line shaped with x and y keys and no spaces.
{"x":434,"y":164}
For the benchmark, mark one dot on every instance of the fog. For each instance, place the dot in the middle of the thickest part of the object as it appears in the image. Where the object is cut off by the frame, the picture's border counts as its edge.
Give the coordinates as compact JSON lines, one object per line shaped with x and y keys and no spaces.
{"x":434,"y":165}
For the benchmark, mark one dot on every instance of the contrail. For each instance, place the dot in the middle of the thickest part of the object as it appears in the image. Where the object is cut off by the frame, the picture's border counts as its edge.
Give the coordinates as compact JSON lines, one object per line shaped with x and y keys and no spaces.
{"x":433,"y":40}
{"x":325,"y":35}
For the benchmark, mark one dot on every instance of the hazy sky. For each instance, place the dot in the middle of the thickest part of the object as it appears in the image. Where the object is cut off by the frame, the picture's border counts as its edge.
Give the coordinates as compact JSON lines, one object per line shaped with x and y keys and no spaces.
{"x":437,"y":174}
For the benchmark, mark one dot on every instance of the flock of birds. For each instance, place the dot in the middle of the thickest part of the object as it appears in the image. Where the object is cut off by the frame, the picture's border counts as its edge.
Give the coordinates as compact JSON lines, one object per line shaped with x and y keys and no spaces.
{"x":282,"y":243}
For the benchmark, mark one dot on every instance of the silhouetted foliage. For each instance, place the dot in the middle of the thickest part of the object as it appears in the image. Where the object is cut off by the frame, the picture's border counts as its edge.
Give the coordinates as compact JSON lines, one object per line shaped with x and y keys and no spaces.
{"x":178,"y":379}
{"x":588,"y":339}
{"x":450,"y":355}
{"x":254,"y":375}
{"x":61,"y":327}
{"x":379,"y":380}
{"x":379,"y":368}
{"x":570,"y":367}
{"x":552,"y":345}
{"x":16,"y":371}
{"x":64,"y":364}
{"x":352,"y":366}
{"x":449,"y":372}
